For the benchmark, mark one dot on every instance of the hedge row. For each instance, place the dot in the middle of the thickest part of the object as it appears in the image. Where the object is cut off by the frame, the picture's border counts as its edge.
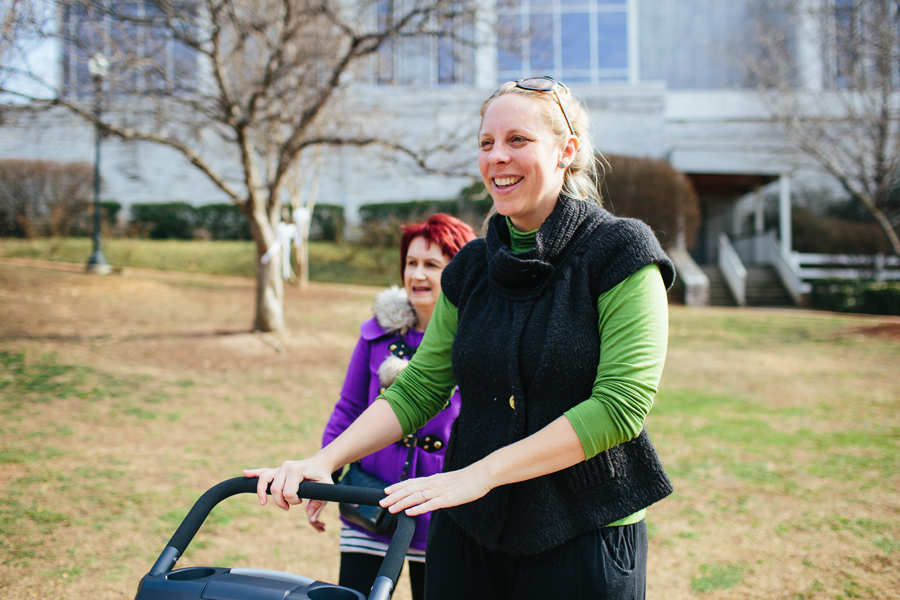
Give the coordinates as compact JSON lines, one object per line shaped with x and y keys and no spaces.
{"x":180,"y":220}
{"x":867,"y":297}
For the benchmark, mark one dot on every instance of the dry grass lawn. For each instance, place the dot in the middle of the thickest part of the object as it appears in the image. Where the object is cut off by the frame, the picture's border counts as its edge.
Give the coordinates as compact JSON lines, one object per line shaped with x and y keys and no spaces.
{"x":124,"y":397}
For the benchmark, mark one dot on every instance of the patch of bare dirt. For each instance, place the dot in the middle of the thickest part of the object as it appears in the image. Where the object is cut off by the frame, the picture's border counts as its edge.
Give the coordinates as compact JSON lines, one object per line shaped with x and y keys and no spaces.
{"x":890,"y":331}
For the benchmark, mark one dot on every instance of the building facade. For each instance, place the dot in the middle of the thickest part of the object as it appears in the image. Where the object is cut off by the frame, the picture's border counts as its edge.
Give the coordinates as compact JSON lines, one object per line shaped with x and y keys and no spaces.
{"x":661,"y":78}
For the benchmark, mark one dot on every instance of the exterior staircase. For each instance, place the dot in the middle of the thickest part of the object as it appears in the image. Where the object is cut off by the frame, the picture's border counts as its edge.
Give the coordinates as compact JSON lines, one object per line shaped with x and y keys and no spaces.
{"x":719,"y":292}
{"x":764,"y":288}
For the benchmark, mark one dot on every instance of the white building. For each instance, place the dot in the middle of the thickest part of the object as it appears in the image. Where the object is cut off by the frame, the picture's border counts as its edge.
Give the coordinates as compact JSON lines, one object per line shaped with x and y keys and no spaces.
{"x":660,"y":78}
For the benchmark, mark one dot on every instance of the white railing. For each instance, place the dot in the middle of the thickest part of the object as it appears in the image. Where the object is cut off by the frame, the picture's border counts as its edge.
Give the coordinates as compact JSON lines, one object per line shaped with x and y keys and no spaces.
{"x":847,"y":266}
{"x":691,"y":278}
{"x":733,"y":270}
{"x":799,"y":268}
{"x":765,"y":249}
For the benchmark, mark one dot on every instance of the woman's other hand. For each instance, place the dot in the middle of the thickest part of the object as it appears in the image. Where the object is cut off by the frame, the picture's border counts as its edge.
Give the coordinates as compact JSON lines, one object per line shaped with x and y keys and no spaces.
{"x":314,"y":521}
{"x":425,"y":494}
{"x":285,"y":482}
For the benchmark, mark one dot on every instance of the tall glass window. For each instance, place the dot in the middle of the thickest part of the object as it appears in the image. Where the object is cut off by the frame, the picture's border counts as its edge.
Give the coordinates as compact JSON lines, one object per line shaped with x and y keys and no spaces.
{"x":445,"y":56}
{"x":146,"y":55}
{"x":575,"y":40}
{"x":846,"y":40}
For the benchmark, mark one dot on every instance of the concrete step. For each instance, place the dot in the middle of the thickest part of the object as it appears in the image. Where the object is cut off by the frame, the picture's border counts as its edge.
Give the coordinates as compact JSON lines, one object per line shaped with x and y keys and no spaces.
{"x":719,"y":292}
{"x":764,"y":287}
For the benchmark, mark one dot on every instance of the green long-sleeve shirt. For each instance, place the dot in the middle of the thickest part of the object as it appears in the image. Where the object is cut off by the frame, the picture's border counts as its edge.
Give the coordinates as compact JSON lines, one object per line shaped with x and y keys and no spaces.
{"x":633,"y":328}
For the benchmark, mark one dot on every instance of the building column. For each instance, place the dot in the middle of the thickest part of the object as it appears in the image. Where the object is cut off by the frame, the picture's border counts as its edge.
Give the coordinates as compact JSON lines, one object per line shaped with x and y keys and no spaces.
{"x":809,"y":46}
{"x":759,"y":212}
{"x":784,"y":214}
{"x":486,"y":45}
{"x":634,"y":43}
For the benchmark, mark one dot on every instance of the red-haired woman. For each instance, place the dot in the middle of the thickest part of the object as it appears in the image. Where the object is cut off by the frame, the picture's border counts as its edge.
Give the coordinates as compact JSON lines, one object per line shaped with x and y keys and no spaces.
{"x":385,"y":345}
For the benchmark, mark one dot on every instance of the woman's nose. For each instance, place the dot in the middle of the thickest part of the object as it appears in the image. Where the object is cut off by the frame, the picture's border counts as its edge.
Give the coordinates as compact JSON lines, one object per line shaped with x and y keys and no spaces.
{"x":498,"y":154}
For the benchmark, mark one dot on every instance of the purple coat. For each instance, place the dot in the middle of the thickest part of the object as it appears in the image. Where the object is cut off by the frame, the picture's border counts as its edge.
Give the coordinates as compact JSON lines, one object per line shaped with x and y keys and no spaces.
{"x":361,"y":388}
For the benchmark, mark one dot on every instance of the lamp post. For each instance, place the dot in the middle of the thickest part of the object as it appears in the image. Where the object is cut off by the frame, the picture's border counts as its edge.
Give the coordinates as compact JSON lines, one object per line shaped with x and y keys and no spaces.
{"x":98,"y":67}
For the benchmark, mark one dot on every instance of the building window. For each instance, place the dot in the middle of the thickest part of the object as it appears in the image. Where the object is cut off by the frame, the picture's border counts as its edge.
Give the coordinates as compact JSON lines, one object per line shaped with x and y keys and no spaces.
{"x":845,"y":43}
{"x":865,"y":52}
{"x":576,"y":40}
{"x":443,"y":56}
{"x":145,"y":51}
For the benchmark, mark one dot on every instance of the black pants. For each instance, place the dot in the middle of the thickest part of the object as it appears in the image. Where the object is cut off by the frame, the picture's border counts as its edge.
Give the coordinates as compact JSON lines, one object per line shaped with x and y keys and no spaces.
{"x":607,"y":564}
{"x":358,"y":572}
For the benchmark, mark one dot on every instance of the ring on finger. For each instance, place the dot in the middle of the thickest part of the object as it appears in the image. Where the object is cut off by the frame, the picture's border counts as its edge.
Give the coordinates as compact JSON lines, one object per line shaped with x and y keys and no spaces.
{"x":424,"y":498}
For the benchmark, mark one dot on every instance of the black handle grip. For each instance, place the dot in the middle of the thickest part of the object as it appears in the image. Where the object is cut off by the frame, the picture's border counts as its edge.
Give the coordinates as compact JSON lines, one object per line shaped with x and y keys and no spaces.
{"x":390,"y":567}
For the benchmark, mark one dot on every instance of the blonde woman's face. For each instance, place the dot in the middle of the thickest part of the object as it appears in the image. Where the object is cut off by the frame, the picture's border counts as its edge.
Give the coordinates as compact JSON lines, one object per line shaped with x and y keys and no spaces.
{"x":519,"y":160}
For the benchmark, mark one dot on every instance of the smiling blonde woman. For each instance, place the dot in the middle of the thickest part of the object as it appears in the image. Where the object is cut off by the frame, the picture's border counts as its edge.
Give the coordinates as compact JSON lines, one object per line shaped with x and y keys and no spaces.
{"x":554,"y":327}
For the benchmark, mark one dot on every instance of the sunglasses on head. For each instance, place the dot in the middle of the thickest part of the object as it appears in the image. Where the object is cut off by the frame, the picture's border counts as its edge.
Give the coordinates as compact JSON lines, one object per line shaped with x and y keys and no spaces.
{"x":545,"y":83}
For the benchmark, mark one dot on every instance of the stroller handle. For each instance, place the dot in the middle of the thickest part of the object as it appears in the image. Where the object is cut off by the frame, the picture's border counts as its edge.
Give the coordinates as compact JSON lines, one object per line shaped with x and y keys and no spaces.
{"x":390,"y":567}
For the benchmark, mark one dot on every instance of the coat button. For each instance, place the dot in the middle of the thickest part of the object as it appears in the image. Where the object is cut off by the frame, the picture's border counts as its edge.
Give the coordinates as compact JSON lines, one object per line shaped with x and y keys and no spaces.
{"x":512,"y":402}
{"x":437,"y":445}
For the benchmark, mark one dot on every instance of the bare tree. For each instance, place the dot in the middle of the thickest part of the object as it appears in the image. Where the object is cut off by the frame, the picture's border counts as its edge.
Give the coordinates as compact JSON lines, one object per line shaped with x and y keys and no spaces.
{"x":253,"y":80}
{"x":303,"y":203}
{"x":828,"y":72}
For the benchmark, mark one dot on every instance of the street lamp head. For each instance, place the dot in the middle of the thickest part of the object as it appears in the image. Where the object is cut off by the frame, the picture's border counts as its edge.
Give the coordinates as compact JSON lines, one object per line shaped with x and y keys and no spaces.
{"x":98,"y":66}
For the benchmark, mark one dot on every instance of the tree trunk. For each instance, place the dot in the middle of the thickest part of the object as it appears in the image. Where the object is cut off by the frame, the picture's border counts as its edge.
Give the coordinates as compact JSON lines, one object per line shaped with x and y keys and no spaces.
{"x":269,"y":295}
{"x":303,"y":257}
{"x":888,"y":229}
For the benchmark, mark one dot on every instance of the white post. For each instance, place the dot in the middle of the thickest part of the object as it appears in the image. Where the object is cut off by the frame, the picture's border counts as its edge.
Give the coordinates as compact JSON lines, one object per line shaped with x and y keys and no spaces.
{"x":784,"y":214}
{"x":486,"y":45}
{"x":634,"y":47}
{"x":758,"y":213}
{"x":809,"y":44}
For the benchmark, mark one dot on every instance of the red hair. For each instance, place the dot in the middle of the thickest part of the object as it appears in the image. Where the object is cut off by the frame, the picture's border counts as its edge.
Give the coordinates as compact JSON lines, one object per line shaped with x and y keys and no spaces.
{"x":446,"y":231}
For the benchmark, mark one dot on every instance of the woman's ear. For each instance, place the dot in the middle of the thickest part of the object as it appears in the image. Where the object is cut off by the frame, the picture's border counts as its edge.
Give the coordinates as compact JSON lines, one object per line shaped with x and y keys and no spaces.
{"x":569,"y":150}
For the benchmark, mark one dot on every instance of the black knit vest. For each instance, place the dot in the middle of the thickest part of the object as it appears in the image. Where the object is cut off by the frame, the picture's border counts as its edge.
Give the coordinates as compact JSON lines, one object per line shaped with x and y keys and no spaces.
{"x":526,"y":350}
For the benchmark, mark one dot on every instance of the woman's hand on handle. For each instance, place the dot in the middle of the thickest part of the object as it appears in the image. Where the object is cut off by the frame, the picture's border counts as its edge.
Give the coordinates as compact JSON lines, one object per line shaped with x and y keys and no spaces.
{"x":285,"y":482}
{"x":377,"y":427}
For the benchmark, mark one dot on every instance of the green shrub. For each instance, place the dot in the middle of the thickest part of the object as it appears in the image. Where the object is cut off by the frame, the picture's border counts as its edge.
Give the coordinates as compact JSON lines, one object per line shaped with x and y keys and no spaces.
{"x":327,"y":223}
{"x":110,"y":209}
{"x":407,"y":212}
{"x":381,"y":222}
{"x":165,"y":220}
{"x":868,"y":297}
{"x":222,"y":221}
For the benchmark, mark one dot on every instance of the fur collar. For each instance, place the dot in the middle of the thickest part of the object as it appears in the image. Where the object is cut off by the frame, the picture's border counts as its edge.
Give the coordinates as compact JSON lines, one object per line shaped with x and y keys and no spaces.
{"x":393,"y":311}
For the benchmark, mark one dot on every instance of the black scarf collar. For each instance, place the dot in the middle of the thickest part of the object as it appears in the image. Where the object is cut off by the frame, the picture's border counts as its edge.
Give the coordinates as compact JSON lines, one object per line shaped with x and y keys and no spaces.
{"x":527,"y":271}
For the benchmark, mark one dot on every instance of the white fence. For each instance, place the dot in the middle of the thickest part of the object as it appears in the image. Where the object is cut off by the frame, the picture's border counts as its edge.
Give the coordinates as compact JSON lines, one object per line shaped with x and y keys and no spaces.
{"x":846,"y":266}
{"x":798,"y":269}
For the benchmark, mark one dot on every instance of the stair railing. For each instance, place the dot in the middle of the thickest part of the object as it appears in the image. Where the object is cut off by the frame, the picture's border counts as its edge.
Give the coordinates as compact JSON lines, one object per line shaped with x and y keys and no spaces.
{"x":733,"y":270}
{"x":765,"y":249}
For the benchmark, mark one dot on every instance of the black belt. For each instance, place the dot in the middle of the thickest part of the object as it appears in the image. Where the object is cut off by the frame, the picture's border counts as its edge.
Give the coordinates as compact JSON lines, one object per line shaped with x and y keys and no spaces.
{"x":429,"y":443}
